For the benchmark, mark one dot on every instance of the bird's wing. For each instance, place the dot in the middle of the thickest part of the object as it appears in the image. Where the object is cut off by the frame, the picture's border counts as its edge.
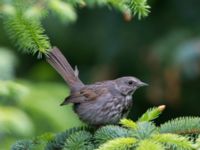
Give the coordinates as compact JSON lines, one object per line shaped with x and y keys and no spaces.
{"x":88,"y":93}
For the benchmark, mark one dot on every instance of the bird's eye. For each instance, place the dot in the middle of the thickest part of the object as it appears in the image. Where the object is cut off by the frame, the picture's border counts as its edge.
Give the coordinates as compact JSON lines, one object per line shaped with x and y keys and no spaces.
{"x":130,"y":82}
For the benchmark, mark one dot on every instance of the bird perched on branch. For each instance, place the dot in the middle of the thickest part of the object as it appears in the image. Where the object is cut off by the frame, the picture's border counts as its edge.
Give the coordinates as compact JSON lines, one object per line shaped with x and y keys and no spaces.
{"x":100,"y":103}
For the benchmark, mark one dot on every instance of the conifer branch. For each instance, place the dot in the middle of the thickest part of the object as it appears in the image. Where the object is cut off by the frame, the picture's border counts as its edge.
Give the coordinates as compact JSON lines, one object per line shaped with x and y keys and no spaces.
{"x":79,"y":140}
{"x":123,"y":143}
{"x":152,"y":113}
{"x":128,"y":123}
{"x":150,"y":144}
{"x":182,"y":125}
{"x":144,"y":130}
{"x":139,"y":135}
{"x":22,"y":145}
{"x":110,"y":132}
{"x":173,"y":141}
{"x":22,"y":19}
{"x":140,"y":8}
{"x":58,"y":141}
{"x":27,"y":34}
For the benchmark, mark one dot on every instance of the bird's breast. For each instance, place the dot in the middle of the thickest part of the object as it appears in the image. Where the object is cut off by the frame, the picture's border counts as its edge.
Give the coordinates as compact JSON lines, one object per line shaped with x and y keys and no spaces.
{"x":107,"y":110}
{"x":128,"y":101}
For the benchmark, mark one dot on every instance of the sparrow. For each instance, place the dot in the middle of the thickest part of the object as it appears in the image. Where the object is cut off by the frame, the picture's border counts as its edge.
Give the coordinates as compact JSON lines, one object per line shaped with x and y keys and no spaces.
{"x":96,"y":104}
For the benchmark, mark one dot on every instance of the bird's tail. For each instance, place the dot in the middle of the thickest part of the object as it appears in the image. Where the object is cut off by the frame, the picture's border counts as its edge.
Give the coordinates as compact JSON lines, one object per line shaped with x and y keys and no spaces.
{"x":57,"y":60}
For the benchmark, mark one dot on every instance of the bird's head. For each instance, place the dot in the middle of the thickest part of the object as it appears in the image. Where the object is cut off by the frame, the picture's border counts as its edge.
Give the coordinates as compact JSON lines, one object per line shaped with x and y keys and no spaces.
{"x":128,"y":85}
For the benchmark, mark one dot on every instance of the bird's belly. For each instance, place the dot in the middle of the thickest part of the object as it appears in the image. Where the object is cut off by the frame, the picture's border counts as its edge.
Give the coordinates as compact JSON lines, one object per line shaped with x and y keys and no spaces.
{"x":104,"y":112}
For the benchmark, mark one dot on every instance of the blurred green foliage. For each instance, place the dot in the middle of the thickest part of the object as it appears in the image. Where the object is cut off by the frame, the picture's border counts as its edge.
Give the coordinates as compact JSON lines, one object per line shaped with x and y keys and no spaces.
{"x":7,"y":63}
{"x":32,"y":109}
{"x":29,"y":108}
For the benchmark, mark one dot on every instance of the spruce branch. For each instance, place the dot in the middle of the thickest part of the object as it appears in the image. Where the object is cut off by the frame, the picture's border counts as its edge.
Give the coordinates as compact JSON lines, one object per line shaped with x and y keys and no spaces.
{"x":141,"y":135}
{"x":150,"y":145}
{"x":144,"y":130}
{"x":44,"y":138}
{"x":140,"y":8}
{"x":22,"y":18}
{"x":110,"y":132}
{"x":152,"y":113}
{"x":173,"y":141}
{"x":122,"y":143}
{"x":23,"y":145}
{"x":27,"y":34}
{"x":57,"y":142}
{"x":79,"y":140}
{"x":127,"y":7}
{"x":128,"y":123}
{"x":182,"y":125}
{"x":59,"y":139}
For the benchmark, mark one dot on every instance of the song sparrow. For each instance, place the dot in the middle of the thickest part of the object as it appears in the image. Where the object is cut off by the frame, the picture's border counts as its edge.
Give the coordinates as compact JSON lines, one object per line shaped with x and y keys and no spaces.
{"x":100,"y":103}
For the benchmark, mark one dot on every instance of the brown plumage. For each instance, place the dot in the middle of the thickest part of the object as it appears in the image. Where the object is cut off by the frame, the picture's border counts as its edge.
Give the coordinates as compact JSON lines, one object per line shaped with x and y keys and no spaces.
{"x":99,"y":103}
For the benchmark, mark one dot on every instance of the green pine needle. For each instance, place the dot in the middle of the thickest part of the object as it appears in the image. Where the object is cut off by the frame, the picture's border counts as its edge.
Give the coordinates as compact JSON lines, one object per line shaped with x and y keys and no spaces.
{"x":44,"y":137}
{"x":182,"y":125}
{"x":152,"y":113}
{"x":22,"y":145}
{"x":150,"y":145}
{"x":118,"y":144}
{"x":173,"y":141}
{"x":144,"y":130}
{"x":58,"y":141}
{"x":128,"y":123}
{"x":140,"y":8}
{"x":110,"y":132}
{"x":27,"y":34}
{"x":140,"y":136}
{"x":22,"y":18}
{"x":79,"y":141}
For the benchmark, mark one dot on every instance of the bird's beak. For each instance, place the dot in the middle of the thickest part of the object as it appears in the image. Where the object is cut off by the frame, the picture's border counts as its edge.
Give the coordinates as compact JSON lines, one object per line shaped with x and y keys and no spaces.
{"x":142,"y":84}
